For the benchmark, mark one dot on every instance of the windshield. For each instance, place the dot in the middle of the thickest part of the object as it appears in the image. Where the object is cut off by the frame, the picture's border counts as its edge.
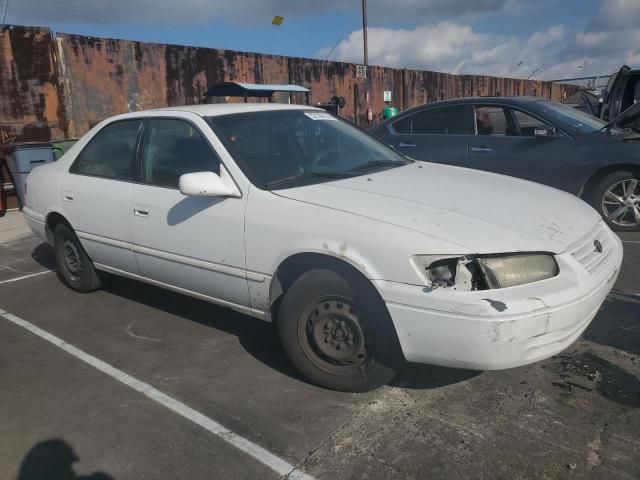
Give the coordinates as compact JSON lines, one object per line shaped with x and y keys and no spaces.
{"x":284,"y":148}
{"x":572,"y":117}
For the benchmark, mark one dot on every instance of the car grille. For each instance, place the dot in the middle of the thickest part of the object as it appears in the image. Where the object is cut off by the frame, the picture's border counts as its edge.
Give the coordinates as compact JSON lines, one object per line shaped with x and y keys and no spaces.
{"x":587,"y":252}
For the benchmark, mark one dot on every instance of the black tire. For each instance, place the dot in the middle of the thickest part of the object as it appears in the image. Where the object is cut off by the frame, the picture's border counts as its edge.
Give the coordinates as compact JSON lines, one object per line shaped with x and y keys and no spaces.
{"x":597,"y":197}
{"x":337,"y":332}
{"x":74,"y":265}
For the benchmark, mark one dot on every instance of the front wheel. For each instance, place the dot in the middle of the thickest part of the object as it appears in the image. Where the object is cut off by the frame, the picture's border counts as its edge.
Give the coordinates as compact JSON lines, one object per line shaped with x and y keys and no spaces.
{"x":617,"y":198}
{"x":335,"y":332}
{"x":74,"y":265}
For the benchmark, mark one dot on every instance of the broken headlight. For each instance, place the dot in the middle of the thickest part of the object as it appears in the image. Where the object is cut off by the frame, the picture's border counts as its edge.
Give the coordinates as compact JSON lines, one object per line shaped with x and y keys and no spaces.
{"x":490,"y":272}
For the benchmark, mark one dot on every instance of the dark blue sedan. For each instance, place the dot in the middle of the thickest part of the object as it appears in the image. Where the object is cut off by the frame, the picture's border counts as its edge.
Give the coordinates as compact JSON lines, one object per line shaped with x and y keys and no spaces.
{"x":534,"y":139}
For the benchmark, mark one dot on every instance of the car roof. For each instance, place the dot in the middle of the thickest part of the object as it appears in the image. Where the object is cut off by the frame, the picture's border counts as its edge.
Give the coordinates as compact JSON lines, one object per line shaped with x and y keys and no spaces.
{"x":212,"y":110}
{"x":515,"y":100}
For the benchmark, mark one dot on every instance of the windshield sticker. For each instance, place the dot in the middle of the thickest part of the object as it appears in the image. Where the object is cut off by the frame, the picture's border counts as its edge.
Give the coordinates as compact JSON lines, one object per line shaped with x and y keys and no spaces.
{"x":319,"y":116}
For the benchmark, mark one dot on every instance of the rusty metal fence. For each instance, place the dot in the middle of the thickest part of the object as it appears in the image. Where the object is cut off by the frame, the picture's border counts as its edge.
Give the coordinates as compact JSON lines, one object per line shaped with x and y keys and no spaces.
{"x":60,"y":86}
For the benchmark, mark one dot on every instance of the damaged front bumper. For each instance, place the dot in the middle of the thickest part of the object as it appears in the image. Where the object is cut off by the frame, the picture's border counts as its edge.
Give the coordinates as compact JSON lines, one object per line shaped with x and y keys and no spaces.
{"x":508,"y":327}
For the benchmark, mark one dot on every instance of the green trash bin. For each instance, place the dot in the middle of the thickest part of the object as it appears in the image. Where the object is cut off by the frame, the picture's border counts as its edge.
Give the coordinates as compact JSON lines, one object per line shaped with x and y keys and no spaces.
{"x":60,"y":147}
{"x":389,"y":112}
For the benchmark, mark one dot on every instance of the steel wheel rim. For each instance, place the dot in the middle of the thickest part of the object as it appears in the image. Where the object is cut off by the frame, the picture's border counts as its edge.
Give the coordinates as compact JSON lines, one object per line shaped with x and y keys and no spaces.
{"x":72,"y":259}
{"x":332,"y":336}
{"x":621,"y":203}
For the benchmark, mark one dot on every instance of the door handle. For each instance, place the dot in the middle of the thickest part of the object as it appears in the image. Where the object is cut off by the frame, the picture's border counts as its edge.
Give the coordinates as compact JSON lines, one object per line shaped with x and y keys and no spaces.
{"x":68,"y":196}
{"x":141,"y":211}
{"x":481,"y":149}
{"x":406,"y":145}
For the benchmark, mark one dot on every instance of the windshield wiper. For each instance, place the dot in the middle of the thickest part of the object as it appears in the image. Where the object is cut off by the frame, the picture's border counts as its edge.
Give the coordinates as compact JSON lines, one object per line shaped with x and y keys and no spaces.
{"x":308,"y":176}
{"x":379,"y":163}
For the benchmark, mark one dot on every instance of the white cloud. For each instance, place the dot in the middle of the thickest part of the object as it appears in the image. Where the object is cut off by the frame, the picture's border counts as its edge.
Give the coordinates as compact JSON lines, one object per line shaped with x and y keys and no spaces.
{"x":616,"y":15}
{"x":451,"y":47}
{"x":611,"y":39}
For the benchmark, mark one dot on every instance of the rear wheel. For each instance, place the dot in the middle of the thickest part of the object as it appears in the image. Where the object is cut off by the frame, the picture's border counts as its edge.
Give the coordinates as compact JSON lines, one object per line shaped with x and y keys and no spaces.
{"x":617,"y":198}
{"x":74,"y":264}
{"x":336,"y":333}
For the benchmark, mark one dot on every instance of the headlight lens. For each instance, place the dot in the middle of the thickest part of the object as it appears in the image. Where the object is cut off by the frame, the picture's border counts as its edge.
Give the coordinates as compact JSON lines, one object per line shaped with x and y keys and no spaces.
{"x":484,"y":273}
{"x":509,"y":271}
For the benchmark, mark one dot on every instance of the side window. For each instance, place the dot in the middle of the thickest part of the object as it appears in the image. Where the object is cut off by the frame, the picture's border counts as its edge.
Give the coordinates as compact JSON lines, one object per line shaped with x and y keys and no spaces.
{"x":492,"y":121}
{"x":111,"y":152}
{"x":527,"y":124}
{"x":174,"y":147}
{"x":403,"y":126}
{"x":450,"y":120}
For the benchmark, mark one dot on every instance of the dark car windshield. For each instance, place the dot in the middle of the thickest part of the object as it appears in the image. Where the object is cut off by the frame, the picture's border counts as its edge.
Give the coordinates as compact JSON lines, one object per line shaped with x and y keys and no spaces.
{"x":284,"y":148}
{"x":572,"y":117}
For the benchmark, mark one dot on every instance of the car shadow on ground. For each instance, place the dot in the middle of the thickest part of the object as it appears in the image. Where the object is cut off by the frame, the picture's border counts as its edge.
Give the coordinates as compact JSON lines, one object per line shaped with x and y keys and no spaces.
{"x":53,"y":460}
{"x":45,"y":256}
{"x":257,"y":337}
{"x":617,"y":324}
{"x":415,"y":376}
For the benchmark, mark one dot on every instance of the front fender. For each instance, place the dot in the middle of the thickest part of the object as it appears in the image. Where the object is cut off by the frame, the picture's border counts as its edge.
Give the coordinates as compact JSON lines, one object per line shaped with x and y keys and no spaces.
{"x":277,"y":228}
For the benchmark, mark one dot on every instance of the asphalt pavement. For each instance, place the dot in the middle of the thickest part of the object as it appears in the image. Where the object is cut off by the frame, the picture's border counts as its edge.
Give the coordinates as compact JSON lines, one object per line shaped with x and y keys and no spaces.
{"x":134,"y":382}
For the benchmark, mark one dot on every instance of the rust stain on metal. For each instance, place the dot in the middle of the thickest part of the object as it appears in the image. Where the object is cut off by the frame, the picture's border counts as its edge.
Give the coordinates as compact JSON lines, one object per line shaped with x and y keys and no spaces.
{"x":29,"y":97}
{"x":51,"y":87}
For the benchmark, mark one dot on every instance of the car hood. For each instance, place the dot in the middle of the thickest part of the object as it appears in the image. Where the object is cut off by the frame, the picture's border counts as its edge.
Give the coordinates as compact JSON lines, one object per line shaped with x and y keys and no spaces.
{"x":478,"y":211}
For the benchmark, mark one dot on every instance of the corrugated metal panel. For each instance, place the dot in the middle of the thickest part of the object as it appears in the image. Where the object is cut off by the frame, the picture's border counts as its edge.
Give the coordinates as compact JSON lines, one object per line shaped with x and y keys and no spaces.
{"x":30,"y":108}
{"x":325,"y":79}
{"x":104,"y":77}
{"x":101,"y":77}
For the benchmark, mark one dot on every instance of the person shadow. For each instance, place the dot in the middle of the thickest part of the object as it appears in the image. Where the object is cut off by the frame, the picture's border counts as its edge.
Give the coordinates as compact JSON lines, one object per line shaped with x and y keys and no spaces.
{"x":53,"y":460}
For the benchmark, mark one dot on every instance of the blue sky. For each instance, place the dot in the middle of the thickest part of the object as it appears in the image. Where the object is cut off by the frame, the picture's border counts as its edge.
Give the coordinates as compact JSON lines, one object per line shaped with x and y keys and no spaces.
{"x":501,"y":37}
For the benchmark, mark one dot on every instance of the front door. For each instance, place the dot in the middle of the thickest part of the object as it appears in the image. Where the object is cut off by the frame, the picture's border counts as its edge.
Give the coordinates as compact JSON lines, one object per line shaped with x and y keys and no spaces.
{"x":189,"y":242}
{"x":505,"y":143}
{"x":95,"y":194}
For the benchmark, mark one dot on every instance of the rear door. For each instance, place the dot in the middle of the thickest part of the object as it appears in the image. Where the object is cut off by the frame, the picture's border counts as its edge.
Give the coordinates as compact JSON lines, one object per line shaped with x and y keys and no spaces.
{"x":436,"y":134}
{"x":505,"y":143}
{"x":95,"y":194}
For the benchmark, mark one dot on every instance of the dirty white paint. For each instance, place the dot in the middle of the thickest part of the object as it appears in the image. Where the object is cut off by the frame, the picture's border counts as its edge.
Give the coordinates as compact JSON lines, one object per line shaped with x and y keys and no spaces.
{"x":260,"y":454}
{"x":227,"y":248}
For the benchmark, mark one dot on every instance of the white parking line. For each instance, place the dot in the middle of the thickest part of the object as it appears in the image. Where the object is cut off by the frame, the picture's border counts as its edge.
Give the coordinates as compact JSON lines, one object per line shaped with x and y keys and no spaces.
{"x":27,"y":276}
{"x":630,"y":241}
{"x":265,"y":457}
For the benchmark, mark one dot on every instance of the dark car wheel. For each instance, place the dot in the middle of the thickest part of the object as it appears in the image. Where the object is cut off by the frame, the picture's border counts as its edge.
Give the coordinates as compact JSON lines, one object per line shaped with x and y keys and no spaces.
{"x":75,"y":266}
{"x":335,"y":333}
{"x":617,"y":198}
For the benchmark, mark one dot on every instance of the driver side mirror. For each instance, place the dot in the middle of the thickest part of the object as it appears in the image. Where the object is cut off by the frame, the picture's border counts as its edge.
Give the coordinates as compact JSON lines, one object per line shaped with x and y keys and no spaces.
{"x":545,"y":132}
{"x":208,"y":184}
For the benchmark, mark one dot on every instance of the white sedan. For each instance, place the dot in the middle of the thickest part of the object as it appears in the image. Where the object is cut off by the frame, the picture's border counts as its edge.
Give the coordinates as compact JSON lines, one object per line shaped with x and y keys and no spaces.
{"x":358,"y":254}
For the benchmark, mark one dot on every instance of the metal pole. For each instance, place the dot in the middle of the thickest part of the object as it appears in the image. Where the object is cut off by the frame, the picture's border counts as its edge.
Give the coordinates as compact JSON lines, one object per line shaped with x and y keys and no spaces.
{"x":364,"y":31}
{"x":4,"y":11}
{"x":366,"y":60}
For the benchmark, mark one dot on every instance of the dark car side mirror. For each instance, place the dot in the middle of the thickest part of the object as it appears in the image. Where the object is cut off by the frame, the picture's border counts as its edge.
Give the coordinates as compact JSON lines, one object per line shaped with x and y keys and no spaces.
{"x":545,"y":132}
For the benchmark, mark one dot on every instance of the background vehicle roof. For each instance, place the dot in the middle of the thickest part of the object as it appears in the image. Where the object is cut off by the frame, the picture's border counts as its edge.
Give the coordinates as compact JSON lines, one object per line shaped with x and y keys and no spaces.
{"x":211,"y":110}
{"x":515,"y":100}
